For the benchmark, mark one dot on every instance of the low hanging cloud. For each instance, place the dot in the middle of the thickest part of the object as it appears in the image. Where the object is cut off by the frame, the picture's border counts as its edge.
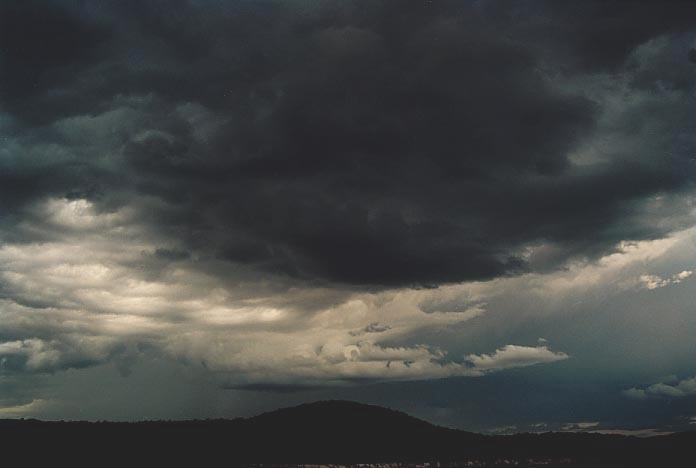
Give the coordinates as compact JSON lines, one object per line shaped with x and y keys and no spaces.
{"x":21,"y":410}
{"x":101,"y":291}
{"x":677,"y":389}
{"x":582,"y":426}
{"x":515,"y":356}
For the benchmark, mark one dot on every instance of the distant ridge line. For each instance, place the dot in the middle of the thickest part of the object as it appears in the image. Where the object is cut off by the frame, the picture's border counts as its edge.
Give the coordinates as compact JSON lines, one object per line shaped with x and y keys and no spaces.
{"x":326,"y":432}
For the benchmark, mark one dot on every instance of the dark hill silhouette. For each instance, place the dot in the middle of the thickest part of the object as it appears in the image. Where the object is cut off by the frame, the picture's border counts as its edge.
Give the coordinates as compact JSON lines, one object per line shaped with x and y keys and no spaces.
{"x":323,"y":432}
{"x":348,"y":431}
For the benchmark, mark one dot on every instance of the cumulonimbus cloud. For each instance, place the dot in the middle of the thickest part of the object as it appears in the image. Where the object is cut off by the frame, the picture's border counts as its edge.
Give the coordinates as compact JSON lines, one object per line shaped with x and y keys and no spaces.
{"x":413,"y":152}
{"x":276,"y":195}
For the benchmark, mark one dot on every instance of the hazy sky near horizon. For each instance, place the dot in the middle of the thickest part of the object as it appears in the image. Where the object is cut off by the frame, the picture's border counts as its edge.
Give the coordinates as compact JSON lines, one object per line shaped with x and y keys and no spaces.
{"x":479,"y":212}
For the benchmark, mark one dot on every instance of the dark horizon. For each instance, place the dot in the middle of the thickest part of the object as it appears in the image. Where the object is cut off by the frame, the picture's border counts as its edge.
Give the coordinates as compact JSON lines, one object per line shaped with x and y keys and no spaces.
{"x":334,"y":432}
{"x":347,"y":404}
{"x":343,"y":405}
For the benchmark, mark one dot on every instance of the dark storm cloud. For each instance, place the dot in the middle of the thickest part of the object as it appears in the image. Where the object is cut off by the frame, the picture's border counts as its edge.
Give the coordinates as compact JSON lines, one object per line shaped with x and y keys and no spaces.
{"x":44,"y":47}
{"x":378,"y":143}
{"x":594,"y":35}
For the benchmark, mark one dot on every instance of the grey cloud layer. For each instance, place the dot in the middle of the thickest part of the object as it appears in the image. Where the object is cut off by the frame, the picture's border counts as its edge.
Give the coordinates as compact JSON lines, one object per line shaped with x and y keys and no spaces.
{"x":101,"y":290}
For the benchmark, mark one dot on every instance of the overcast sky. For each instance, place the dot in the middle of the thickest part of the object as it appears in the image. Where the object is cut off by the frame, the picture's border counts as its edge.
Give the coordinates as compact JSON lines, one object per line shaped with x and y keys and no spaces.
{"x":479,"y":212}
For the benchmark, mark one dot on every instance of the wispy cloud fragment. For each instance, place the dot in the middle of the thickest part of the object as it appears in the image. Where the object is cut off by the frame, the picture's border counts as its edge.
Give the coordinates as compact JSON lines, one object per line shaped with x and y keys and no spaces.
{"x":655,"y":282}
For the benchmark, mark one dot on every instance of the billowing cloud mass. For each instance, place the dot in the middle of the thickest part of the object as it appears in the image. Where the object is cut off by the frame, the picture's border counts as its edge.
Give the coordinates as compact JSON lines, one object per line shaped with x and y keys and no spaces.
{"x":301,"y":194}
{"x":103,"y":293}
{"x":371,"y":143}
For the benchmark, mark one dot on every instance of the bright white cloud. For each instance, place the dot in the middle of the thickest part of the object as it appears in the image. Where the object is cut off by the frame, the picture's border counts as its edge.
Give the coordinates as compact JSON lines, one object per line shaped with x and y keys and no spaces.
{"x":515,"y":356}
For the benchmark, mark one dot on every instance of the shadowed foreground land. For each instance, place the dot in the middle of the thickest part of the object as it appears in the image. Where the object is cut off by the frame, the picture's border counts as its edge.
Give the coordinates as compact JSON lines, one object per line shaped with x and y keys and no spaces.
{"x":334,"y":432}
